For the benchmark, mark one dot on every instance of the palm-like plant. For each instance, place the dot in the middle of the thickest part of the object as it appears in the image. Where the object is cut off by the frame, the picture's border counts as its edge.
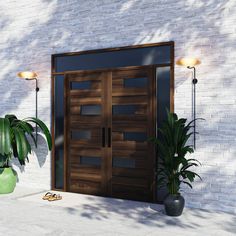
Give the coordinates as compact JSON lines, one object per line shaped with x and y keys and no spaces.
{"x":172,"y":146}
{"x":14,"y":134}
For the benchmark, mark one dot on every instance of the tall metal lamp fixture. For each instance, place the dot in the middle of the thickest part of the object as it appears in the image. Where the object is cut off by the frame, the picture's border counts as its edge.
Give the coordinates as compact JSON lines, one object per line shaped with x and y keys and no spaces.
{"x":190,"y":63}
{"x":30,"y":75}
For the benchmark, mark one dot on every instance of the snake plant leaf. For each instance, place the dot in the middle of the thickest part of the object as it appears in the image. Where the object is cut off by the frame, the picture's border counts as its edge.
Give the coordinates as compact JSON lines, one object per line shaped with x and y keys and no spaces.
{"x":14,"y":147}
{"x":21,"y":144}
{"x":2,"y":160}
{"x":29,"y":149}
{"x":11,"y":118}
{"x":44,"y":129}
{"x":26,"y":127}
{"x":28,"y":146}
{"x":5,"y":136}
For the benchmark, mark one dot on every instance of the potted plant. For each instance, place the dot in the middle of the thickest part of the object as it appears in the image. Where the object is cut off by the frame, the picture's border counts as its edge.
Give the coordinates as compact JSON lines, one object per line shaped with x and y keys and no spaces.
{"x":173,"y":167}
{"x":14,"y":134}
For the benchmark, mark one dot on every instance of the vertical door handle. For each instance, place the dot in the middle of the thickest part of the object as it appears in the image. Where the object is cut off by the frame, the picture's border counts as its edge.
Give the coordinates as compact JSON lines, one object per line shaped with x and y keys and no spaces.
{"x":109,"y":137}
{"x":103,"y":137}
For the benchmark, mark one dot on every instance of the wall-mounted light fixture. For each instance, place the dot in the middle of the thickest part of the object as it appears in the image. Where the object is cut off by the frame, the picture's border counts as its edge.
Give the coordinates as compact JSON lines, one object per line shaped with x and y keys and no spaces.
{"x":30,"y":75}
{"x":190,"y":63}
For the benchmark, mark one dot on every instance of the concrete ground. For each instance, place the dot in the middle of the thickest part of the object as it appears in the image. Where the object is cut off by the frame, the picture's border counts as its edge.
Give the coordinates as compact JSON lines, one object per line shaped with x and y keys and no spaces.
{"x":25,"y":213}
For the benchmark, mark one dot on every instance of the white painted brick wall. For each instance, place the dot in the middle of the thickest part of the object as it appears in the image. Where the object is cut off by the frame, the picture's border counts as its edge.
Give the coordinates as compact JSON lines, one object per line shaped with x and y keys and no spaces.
{"x":32,"y":30}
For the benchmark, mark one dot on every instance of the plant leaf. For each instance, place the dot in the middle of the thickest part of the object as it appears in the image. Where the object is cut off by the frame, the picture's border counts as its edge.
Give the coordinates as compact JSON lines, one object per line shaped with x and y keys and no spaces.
{"x":5,"y":136}
{"x":185,"y":182}
{"x":44,"y":129}
{"x":21,"y":144}
{"x":26,"y":127}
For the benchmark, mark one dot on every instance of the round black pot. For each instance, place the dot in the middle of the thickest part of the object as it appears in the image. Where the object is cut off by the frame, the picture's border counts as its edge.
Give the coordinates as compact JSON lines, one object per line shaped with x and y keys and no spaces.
{"x":174,"y":205}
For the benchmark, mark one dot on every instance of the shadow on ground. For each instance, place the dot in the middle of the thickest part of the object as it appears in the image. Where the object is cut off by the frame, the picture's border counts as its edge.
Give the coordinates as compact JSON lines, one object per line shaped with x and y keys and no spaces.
{"x":152,"y":215}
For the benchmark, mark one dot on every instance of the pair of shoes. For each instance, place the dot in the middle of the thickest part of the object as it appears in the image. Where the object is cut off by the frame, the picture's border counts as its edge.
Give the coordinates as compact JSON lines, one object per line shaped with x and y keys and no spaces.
{"x":52,"y":196}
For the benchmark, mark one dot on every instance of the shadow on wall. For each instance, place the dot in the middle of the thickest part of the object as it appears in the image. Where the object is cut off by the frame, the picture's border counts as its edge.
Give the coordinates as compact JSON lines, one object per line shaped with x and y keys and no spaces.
{"x":41,"y":153}
{"x":31,"y":32}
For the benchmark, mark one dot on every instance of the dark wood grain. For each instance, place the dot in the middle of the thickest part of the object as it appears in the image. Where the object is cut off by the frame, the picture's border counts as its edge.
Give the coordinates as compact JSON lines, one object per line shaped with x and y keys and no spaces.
{"x":106,"y":179}
{"x":84,"y":178}
{"x":135,"y":123}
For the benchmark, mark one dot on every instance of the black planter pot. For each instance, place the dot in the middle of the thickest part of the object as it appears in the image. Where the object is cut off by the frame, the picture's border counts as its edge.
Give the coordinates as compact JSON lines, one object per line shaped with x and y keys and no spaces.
{"x":174,"y":205}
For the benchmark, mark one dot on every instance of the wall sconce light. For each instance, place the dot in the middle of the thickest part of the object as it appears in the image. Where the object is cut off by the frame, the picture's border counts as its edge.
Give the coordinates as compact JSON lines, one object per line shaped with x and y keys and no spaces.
{"x":29,"y":75}
{"x":190,"y":63}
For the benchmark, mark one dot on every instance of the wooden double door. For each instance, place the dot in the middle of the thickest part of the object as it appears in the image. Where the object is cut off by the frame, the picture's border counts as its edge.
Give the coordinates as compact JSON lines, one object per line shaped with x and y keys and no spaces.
{"x":109,"y":117}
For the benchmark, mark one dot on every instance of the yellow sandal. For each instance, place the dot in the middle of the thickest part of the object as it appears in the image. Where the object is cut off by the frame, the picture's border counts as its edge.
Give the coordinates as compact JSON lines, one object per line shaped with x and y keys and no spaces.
{"x":47,"y":196}
{"x":54,"y":197}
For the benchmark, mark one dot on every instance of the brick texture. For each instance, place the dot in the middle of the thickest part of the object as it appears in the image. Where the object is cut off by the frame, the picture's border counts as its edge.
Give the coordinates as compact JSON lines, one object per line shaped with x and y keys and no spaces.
{"x":32,"y":30}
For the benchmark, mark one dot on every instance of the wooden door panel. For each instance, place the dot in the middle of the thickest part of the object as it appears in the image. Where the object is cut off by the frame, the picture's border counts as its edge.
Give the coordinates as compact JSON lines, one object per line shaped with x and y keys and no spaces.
{"x":85,"y":76}
{"x":76,"y":102}
{"x":107,"y":126}
{"x":142,"y":154}
{"x":128,"y":92}
{"x":78,"y":122}
{"x":84,"y":121}
{"x":86,"y":93}
{"x":86,"y":187}
{"x":126,"y":181}
{"x":128,"y":172}
{"x":86,"y":144}
{"x":129,"y":145}
{"x":86,"y":176}
{"x":126,"y":100}
{"x":131,"y":192}
{"x":119,"y":124}
{"x":77,"y":169}
{"x":85,"y":151}
{"x":132,"y":156}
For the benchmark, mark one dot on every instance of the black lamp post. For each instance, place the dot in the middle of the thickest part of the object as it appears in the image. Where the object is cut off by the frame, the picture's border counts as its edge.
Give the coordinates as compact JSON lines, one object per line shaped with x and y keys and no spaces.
{"x":28,"y":75}
{"x":190,"y":63}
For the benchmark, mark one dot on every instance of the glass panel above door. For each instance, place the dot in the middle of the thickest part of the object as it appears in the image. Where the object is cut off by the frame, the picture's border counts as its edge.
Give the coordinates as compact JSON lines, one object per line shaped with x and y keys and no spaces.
{"x":112,"y":59}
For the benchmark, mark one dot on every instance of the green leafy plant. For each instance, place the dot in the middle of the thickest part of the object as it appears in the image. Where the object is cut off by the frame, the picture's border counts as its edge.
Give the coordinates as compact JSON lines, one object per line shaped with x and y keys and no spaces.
{"x":14,"y":135}
{"x":173,"y":168}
